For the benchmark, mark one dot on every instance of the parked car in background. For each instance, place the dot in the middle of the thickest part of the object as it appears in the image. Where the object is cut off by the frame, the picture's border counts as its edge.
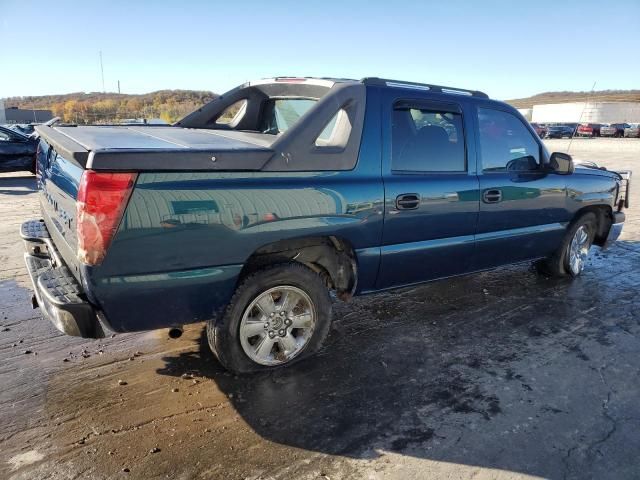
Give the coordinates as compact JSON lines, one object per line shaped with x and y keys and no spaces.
{"x":311,"y":185}
{"x":633,"y":131}
{"x":559,"y":131}
{"x":17,"y":151}
{"x":613,"y":130}
{"x":541,"y":130}
{"x":24,"y":129}
{"x":588,"y":130}
{"x":574,"y":126}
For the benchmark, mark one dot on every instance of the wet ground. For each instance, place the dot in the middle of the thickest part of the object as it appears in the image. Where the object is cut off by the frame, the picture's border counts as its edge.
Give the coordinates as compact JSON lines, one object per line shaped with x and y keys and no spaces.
{"x":496,"y":375}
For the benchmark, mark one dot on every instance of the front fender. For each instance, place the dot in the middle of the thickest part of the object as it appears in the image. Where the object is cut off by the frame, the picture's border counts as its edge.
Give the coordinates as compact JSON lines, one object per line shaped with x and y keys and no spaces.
{"x":586,"y":190}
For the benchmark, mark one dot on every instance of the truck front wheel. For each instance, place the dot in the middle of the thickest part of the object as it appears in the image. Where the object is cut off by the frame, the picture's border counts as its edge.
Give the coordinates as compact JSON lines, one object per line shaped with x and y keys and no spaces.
{"x":277,"y":316}
{"x":571,"y":257}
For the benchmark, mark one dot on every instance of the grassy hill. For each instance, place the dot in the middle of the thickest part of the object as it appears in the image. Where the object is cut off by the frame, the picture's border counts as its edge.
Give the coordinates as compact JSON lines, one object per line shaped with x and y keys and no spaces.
{"x":171,"y":105}
{"x":95,"y":107}
{"x":566,"y":97}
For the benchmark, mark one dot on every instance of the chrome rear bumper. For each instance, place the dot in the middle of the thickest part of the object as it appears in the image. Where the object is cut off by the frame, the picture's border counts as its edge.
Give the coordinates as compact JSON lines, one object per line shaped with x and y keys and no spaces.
{"x":56,"y":291}
{"x":615,"y":230}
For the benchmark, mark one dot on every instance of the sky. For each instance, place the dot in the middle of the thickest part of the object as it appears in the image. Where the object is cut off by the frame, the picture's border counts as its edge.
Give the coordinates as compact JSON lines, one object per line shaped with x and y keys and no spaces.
{"x":509,"y":49}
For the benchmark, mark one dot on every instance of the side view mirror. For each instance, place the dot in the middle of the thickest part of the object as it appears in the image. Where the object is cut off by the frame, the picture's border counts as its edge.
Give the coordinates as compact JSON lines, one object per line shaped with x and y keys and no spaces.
{"x":561,"y":163}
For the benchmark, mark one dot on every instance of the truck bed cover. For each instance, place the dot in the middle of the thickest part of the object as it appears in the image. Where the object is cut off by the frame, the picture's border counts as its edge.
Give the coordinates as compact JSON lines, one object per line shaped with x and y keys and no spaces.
{"x":159,"y":148}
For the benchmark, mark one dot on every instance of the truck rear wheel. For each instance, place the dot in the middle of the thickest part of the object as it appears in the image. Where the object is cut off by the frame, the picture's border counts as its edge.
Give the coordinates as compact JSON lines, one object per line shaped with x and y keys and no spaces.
{"x":570,"y":258}
{"x":277,"y":316}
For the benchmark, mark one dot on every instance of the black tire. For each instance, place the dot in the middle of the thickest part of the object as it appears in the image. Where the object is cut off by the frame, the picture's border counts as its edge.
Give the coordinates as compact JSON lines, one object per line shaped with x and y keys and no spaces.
{"x":557,"y":265}
{"x":223,"y":334}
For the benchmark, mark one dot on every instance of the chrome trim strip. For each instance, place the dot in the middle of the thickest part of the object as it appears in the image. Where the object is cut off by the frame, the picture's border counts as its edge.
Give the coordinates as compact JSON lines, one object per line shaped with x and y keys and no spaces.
{"x":516,"y":232}
{"x":427,"y":244}
{"x":465,"y":239}
{"x":407,"y":85}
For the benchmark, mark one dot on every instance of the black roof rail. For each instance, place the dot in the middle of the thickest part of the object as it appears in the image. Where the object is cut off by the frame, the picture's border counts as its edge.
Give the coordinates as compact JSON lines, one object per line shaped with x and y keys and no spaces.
{"x":384,"y":82}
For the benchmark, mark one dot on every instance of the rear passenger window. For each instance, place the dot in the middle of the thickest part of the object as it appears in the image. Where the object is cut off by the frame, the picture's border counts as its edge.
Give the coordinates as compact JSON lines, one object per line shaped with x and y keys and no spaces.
{"x":506,"y":145}
{"x":336,"y":132}
{"x":427,"y":140}
{"x":233,"y":113}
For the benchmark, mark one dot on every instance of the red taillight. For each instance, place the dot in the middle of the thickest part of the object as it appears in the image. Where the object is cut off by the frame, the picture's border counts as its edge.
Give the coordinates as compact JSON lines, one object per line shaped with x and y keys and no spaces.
{"x":102,"y":198}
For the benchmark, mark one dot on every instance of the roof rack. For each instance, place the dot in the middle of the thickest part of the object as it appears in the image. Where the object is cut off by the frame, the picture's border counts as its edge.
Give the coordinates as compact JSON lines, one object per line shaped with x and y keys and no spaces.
{"x":383,"y":82}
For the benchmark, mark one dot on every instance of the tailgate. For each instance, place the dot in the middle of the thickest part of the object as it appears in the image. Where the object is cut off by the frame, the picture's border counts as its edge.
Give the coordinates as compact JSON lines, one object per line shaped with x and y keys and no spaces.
{"x":58,"y":181}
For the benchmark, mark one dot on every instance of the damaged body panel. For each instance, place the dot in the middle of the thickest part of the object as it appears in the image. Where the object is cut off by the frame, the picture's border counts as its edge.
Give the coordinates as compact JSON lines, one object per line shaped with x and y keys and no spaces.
{"x":17,"y":152}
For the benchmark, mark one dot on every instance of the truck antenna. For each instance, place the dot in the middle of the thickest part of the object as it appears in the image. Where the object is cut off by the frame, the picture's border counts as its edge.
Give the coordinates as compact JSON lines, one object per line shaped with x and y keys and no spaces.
{"x":102,"y":72}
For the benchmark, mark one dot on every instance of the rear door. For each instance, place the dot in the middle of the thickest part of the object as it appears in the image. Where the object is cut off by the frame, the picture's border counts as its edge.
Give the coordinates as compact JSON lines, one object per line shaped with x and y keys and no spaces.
{"x":431,"y":189}
{"x":523,"y":208}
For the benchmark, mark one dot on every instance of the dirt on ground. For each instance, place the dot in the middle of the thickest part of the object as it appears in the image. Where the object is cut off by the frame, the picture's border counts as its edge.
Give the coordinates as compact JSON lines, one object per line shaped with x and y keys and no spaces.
{"x":503,"y":374}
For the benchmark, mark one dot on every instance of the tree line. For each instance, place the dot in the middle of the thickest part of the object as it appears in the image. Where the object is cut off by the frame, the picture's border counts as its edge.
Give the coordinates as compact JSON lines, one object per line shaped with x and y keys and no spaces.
{"x":95,"y":107}
{"x":565,"y":97}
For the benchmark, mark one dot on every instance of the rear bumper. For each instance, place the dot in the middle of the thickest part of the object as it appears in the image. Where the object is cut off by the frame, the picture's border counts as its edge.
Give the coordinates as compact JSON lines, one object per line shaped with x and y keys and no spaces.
{"x":615,"y":230}
{"x":56,"y":291}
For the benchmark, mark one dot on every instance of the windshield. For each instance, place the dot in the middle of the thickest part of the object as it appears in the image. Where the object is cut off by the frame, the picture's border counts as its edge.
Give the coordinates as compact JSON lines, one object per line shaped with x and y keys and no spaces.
{"x":282,"y":113}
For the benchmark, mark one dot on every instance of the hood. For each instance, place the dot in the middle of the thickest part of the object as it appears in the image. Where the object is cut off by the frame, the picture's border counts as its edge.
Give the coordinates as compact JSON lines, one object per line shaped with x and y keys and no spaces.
{"x":592,"y":169}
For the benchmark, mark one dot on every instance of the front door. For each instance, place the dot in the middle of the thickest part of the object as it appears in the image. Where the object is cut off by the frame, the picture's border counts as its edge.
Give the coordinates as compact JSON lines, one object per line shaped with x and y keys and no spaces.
{"x":431,"y":191}
{"x":523,"y":210}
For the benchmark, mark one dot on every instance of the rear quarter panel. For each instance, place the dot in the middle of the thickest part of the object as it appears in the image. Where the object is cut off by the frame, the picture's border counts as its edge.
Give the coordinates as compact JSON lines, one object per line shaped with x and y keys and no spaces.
{"x":185,"y":236}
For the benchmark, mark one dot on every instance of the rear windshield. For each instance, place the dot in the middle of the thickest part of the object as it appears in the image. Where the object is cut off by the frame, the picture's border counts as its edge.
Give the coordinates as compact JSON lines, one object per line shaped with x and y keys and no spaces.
{"x":280,"y":114}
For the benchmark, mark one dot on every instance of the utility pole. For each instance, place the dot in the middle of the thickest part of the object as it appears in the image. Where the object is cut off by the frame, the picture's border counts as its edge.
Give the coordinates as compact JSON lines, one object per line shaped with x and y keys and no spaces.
{"x":102,"y":73}
{"x":118,"y":86}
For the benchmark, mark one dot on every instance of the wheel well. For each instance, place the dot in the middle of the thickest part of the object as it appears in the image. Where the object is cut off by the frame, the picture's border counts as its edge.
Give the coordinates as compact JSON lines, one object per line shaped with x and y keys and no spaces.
{"x":332,"y":257}
{"x":604,"y":217}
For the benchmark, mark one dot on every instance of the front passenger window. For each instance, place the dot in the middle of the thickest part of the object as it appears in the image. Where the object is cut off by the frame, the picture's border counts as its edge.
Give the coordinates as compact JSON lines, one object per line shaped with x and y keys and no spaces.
{"x":506,"y":145}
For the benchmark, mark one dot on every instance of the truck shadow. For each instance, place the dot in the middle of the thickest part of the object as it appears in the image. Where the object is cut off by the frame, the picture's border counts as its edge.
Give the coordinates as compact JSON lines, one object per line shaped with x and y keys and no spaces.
{"x":445,"y":371}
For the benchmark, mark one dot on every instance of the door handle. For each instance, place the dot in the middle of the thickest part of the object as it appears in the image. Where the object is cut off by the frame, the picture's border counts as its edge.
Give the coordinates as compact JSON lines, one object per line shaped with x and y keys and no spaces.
{"x":408,"y":201}
{"x":492,"y":195}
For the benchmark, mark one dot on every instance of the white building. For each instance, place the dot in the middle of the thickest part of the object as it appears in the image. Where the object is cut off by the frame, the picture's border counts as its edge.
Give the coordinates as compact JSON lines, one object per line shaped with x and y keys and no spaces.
{"x":526,"y":112}
{"x":587,"y":112}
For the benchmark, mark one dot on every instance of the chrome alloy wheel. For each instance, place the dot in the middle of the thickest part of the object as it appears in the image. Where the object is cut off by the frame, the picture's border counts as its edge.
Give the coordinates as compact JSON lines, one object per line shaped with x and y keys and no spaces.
{"x":579,"y":250}
{"x":277,"y":325}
